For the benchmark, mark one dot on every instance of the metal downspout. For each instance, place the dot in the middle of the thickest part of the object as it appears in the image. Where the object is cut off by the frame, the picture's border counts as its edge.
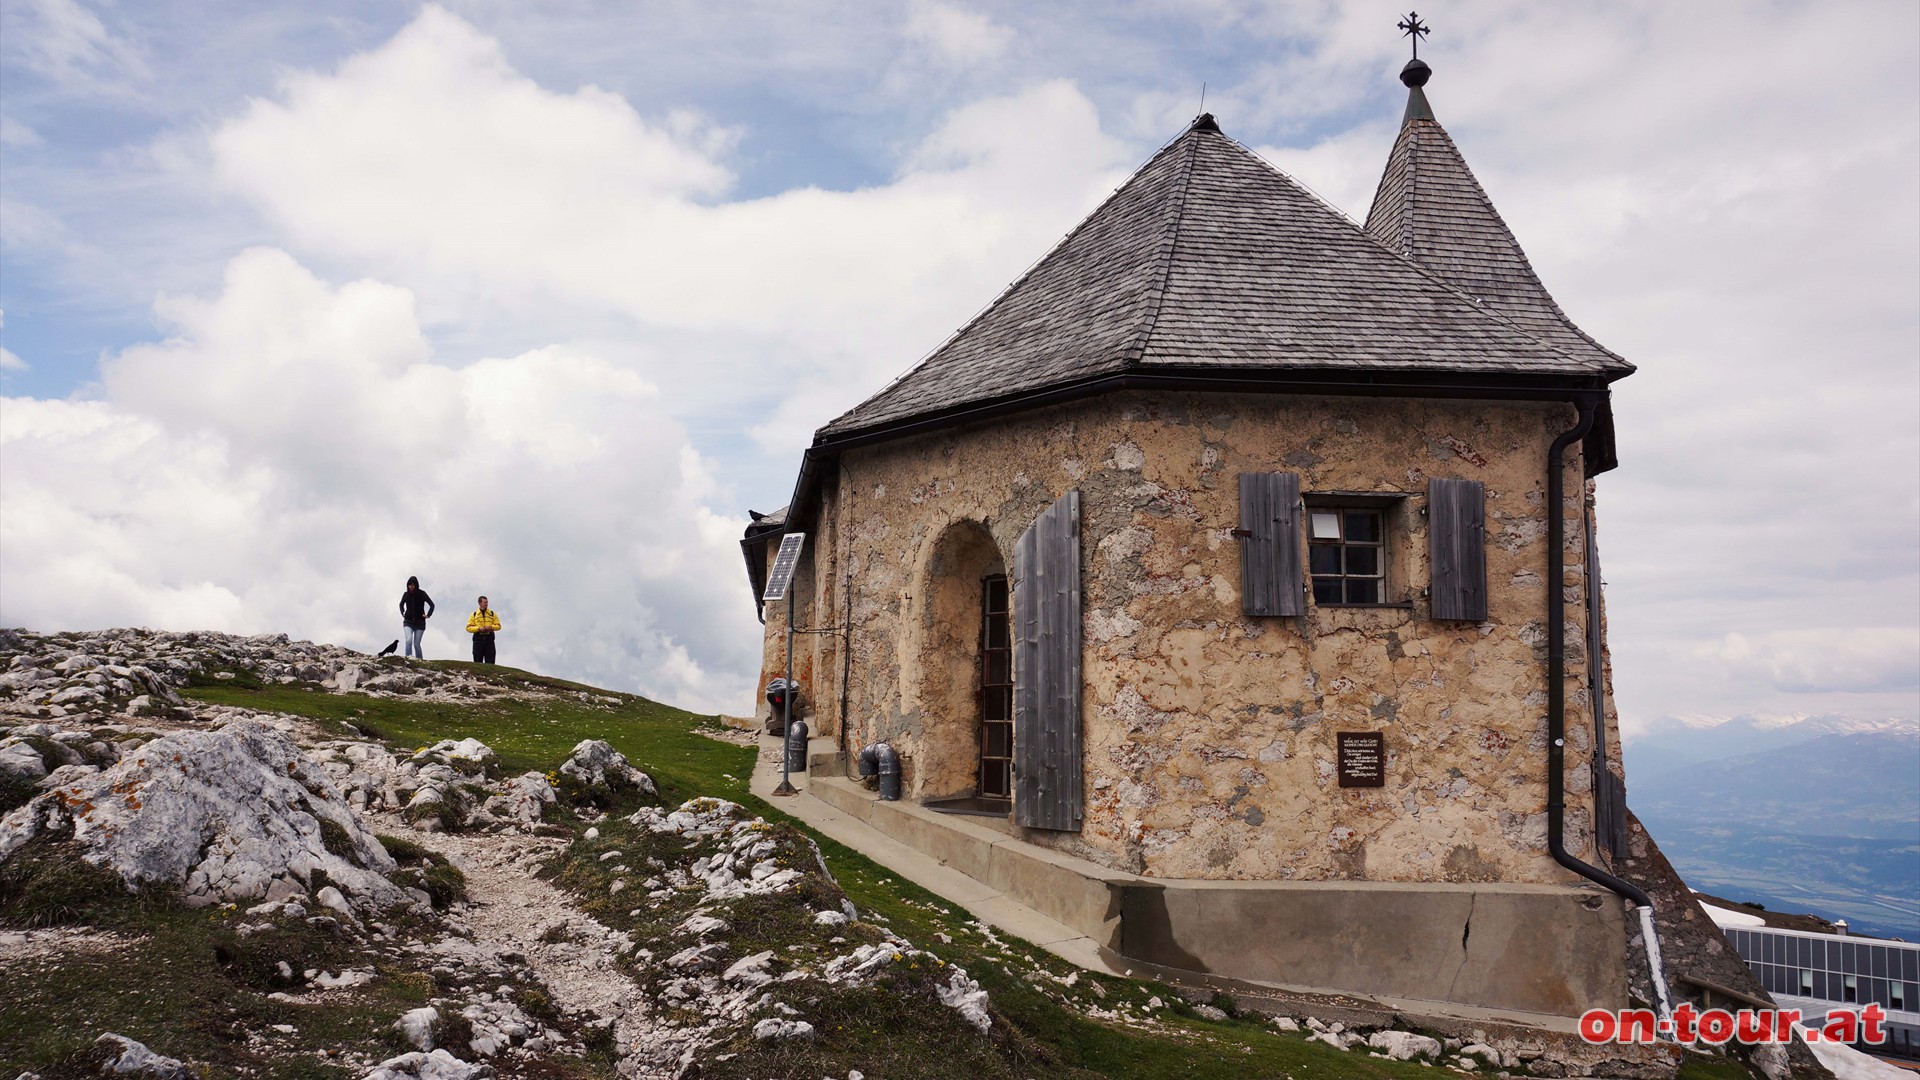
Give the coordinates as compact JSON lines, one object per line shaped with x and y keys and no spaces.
{"x":1610,"y":814}
{"x":1557,"y":705}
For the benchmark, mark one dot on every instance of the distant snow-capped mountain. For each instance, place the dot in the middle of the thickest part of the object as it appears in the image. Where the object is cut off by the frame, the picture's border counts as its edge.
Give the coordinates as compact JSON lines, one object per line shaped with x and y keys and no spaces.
{"x":1816,"y":813}
{"x":1689,"y":738}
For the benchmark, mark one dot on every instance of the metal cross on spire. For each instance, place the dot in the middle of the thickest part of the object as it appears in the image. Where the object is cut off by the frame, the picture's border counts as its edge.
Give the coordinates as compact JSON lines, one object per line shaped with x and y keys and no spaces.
{"x":1415,"y":29}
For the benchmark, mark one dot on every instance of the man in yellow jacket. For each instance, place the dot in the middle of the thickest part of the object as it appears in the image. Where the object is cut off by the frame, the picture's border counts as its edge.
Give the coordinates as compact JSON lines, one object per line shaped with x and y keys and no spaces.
{"x":483,"y":624}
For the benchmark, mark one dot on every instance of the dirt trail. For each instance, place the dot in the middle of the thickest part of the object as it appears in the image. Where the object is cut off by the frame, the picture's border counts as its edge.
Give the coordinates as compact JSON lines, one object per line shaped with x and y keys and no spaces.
{"x":510,"y":910}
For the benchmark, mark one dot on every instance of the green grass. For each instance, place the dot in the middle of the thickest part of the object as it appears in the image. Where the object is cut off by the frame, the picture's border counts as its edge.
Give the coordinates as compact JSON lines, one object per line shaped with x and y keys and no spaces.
{"x":187,"y":984}
{"x":526,"y":734}
{"x":426,"y":870}
{"x":1043,"y":1029}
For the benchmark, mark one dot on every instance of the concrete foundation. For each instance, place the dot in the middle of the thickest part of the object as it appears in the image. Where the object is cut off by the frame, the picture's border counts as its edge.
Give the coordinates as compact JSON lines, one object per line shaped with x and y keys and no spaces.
{"x":1544,"y":949}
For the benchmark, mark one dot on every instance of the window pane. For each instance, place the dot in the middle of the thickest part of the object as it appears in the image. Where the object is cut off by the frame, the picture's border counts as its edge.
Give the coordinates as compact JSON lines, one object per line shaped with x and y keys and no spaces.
{"x":997,"y":632}
{"x":1363,"y":561}
{"x":1326,"y":590}
{"x":1363,"y":590}
{"x":998,"y":743}
{"x":997,"y":667}
{"x":994,"y":705}
{"x":1363,"y":526}
{"x":993,"y":779}
{"x":1326,"y":526}
{"x":1323,"y":558}
{"x":996,"y":593}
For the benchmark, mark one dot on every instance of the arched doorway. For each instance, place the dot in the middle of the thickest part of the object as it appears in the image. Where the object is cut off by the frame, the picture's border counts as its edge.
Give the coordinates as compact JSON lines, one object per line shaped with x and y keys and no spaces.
{"x":966,"y":668}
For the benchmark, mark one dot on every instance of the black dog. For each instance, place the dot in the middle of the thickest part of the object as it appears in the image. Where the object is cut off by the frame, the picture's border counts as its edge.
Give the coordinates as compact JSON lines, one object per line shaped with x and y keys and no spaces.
{"x":389,"y":650}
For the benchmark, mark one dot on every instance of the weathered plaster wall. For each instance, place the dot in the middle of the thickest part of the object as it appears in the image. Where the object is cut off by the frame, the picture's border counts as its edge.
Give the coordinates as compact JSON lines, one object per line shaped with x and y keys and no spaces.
{"x":1210,"y":734}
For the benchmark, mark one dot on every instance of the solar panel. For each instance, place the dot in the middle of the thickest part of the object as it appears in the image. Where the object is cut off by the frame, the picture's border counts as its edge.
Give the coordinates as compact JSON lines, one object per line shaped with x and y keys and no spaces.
{"x":783,"y":564}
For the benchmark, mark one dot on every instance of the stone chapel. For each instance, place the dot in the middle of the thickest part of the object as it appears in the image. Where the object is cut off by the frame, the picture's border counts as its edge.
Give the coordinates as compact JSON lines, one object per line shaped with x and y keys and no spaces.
{"x":1242,"y":559}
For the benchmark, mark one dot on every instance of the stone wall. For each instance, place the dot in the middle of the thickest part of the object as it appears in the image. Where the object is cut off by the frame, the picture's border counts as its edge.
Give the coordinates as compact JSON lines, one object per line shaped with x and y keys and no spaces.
{"x":1209,"y":733}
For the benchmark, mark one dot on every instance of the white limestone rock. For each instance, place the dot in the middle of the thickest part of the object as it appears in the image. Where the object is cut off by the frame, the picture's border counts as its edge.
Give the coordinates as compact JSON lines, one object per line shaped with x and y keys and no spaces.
{"x":18,"y":758}
{"x":497,"y":1025}
{"x":595,"y":763}
{"x":224,"y":815}
{"x":126,"y":1057}
{"x":437,"y":1065}
{"x":64,"y":775}
{"x":1482,"y":1051}
{"x":964,"y":995}
{"x":698,"y":958}
{"x":774,"y":1028}
{"x":521,"y":801}
{"x":330,"y":897}
{"x":750,"y":971}
{"x":463,"y":750}
{"x":1404,"y":1045}
{"x":1772,"y":1061}
{"x":417,"y":1027}
{"x":700,"y":926}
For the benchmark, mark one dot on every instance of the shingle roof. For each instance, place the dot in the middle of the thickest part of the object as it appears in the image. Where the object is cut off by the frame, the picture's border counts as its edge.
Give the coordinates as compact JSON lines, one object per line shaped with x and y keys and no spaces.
{"x":1208,"y":259}
{"x":1430,"y":209}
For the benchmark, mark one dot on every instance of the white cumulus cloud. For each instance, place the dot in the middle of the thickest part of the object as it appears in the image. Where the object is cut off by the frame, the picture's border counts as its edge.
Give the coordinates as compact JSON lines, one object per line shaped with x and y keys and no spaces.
{"x":1859,"y":660}
{"x":955,"y":35}
{"x":429,"y":160}
{"x":292,"y":452}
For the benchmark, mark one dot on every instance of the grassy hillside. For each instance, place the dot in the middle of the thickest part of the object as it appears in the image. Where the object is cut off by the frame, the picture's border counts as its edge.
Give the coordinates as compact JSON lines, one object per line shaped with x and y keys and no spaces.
{"x":194,"y":985}
{"x":1052,"y":1034}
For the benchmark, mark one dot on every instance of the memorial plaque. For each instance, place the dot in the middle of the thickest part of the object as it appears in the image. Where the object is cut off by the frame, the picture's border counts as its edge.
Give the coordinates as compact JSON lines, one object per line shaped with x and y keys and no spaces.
{"x":1362,"y":758}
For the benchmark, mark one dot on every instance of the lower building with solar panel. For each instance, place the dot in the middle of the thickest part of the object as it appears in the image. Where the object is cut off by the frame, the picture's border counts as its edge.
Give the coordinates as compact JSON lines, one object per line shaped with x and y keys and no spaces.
{"x":1226,"y":590}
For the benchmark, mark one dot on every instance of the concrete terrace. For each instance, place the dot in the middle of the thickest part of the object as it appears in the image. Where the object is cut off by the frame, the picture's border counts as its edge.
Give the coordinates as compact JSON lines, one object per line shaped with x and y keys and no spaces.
{"x":1081,"y":912}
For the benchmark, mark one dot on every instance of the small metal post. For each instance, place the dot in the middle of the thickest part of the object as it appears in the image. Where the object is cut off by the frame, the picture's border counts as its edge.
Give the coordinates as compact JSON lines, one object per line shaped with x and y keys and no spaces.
{"x":786,"y":701}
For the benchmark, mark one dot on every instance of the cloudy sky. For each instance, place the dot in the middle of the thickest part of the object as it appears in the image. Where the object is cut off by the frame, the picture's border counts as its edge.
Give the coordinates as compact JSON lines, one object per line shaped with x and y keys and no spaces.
{"x":539,"y":300}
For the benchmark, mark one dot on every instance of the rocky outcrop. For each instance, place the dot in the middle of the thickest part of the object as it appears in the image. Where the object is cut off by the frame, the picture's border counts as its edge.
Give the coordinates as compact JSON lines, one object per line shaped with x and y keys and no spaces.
{"x":100,"y":674}
{"x":445,"y":786}
{"x":229,"y":815}
{"x":594,"y":763}
{"x":117,"y":1055}
{"x":130,"y":672}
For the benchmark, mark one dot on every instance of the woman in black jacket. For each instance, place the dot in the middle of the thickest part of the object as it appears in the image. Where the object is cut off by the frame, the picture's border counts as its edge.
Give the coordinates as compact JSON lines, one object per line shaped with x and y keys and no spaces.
{"x":416,"y":607}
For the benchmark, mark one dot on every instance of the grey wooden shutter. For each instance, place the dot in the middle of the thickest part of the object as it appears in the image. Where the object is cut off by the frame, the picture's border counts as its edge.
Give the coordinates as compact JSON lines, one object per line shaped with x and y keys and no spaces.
{"x":1457,"y":542}
{"x":1270,"y":582}
{"x":1046,"y":670}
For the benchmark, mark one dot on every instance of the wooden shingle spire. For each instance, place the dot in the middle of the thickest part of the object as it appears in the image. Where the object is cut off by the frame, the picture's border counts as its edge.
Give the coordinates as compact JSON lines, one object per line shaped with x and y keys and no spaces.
{"x":1430,"y":209}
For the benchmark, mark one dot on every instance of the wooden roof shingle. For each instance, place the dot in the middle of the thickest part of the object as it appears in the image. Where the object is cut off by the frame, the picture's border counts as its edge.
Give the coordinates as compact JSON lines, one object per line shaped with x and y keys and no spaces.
{"x":1208,"y":259}
{"x":1430,"y":209}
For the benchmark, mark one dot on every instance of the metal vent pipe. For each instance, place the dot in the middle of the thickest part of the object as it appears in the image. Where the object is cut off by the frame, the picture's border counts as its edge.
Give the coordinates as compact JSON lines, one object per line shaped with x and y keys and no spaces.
{"x":889,"y":762}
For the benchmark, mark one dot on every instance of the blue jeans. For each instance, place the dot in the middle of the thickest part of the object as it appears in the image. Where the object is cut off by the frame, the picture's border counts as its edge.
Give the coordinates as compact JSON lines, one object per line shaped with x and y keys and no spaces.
{"x":411,"y":634}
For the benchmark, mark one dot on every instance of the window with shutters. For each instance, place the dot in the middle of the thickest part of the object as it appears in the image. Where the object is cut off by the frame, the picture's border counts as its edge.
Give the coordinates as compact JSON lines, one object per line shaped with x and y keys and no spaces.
{"x":1457,"y":549}
{"x":1346,"y":555}
{"x":1353,"y":542}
